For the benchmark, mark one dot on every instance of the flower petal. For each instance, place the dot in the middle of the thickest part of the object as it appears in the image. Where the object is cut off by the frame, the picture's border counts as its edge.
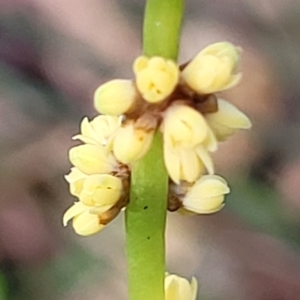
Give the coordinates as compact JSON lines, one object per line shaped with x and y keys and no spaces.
{"x":190,"y":165}
{"x":76,"y":209}
{"x":87,"y":224}
{"x":205,"y":158}
{"x":172,"y":163}
{"x":229,"y":115}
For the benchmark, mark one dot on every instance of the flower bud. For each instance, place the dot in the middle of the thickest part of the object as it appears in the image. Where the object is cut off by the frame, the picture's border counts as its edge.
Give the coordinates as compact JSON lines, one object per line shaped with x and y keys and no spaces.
{"x":156,"y":77}
{"x":92,"y":159}
{"x":212,"y":69}
{"x":87,"y":224}
{"x":184,"y":126}
{"x":178,"y":288}
{"x":115,"y":97}
{"x":206,"y":195}
{"x":130,"y":144}
{"x":99,"y":131}
{"x":76,"y":179}
{"x":101,"y":190}
{"x":227,"y":120}
{"x":84,"y":222}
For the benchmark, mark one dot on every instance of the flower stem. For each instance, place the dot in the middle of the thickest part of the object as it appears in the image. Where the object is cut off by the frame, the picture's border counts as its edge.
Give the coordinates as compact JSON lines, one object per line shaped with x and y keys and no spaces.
{"x":145,"y":224}
{"x":162,"y":26}
{"x":146,"y":212}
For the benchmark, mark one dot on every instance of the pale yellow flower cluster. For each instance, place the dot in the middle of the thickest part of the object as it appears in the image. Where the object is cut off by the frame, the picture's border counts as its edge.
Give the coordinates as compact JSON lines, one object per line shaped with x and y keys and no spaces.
{"x":97,"y":179}
{"x":178,"y":288}
{"x":189,"y":137}
{"x":179,"y":102}
{"x":191,"y":119}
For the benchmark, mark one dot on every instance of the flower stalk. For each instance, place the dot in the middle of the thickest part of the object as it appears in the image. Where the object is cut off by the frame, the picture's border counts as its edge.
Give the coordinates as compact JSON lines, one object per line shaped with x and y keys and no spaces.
{"x":161,"y":31}
{"x":145,"y":225}
{"x":146,"y":212}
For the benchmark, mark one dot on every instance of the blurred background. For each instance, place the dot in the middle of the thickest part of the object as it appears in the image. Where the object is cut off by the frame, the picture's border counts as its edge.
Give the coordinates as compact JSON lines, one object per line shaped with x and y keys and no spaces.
{"x":53,"y":54}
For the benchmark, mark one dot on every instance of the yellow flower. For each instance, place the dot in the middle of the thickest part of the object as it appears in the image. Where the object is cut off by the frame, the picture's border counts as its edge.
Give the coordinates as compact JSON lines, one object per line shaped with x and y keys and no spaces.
{"x":187,"y":138}
{"x":115,"y":97}
{"x":186,"y":163}
{"x":101,"y":190}
{"x":76,"y":179}
{"x":92,"y":159}
{"x":227,"y":120}
{"x":206,"y":195}
{"x":84,"y":222}
{"x":184,"y":126}
{"x":130,"y":143}
{"x":87,"y":224}
{"x":179,"y":288}
{"x":156,"y":77}
{"x":213,"y":69}
{"x":98,"y":131}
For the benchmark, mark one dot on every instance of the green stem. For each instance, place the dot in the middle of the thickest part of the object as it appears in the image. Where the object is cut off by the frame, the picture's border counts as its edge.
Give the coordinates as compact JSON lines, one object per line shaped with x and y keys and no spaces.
{"x":162,"y":25}
{"x":145,"y":224}
{"x":146,"y":212}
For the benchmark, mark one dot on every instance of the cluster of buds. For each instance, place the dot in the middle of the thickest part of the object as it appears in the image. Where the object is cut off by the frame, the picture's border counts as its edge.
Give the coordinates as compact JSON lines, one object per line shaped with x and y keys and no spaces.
{"x":97,"y":179}
{"x":180,"y":102}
